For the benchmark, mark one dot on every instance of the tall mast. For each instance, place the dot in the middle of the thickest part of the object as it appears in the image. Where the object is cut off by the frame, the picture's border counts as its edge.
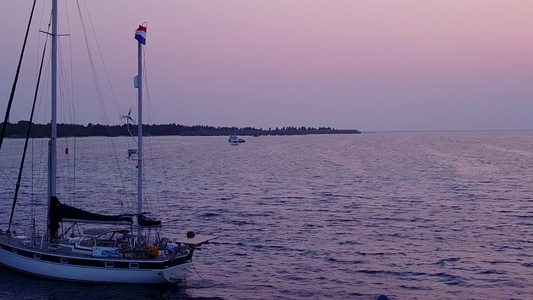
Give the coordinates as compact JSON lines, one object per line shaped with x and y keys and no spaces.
{"x":140,"y":131}
{"x":53,"y":137}
{"x":52,"y":168}
{"x":140,"y":36}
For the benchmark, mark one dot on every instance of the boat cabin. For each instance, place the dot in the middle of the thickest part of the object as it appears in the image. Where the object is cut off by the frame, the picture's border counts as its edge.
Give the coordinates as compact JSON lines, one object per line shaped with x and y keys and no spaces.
{"x":102,"y":242}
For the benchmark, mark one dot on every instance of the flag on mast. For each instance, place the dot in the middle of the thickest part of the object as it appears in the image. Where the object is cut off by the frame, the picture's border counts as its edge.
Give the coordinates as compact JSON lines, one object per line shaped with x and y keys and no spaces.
{"x":140,"y":34}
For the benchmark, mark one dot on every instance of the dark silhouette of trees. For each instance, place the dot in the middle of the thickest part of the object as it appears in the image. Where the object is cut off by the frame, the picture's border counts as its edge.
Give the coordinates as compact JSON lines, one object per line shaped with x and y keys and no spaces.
{"x":66,"y":130}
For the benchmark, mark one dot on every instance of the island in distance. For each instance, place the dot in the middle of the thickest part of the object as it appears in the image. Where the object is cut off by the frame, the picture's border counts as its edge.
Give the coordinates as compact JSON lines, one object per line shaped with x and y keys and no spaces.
{"x":65,"y":130}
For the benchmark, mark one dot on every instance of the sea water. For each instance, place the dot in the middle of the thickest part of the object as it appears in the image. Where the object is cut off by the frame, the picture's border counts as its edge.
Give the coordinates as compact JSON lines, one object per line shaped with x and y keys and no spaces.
{"x":444,"y":215}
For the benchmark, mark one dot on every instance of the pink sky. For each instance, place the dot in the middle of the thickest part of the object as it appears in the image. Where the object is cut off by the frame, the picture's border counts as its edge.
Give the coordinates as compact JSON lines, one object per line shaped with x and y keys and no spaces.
{"x":370,"y":65}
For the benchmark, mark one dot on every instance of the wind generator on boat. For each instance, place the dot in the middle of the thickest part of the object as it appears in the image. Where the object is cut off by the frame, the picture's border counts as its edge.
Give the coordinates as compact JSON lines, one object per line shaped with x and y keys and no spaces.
{"x":131,"y":250}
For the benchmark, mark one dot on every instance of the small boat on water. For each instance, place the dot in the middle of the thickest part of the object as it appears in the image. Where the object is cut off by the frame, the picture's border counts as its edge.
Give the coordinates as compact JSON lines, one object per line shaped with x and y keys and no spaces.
{"x":234,"y":139}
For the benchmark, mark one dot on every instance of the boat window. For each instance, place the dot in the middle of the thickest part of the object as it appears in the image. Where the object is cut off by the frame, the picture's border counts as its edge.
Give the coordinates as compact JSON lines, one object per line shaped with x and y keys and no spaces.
{"x":134,"y":266}
{"x":109,"y":264}
{"x":64,"y":260}
{"x":87,"y":242}
{"x":106,"y":236}
{"x":37,"y":256}
{"x":105,"y":243}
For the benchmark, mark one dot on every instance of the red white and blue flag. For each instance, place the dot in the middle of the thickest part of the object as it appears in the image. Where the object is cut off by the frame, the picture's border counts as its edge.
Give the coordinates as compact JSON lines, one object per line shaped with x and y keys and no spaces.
{"x":140,"y":34}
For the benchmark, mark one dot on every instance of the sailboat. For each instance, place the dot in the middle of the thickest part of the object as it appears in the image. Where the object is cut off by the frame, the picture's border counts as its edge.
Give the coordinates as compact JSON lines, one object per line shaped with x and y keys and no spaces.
{"x":124,"y":248}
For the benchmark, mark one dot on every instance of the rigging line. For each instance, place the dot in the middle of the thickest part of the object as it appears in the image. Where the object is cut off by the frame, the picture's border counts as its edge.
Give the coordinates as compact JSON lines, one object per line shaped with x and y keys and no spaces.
{"x":73,"y":111}
{"x":17,"y":185}
{"x":93,"y":68}
{"x":65,"y":89}
{"x":100,"y":95}
{"x":150,"y":140}
{"x":102,"y":106}
{"x":197,"y":271}
{"x":46,"y":90}
{"x":13,"y":88}
{"x":32,"y":203}
{"x":7,"y":177}
{"x":39,"y":37}
{"x":65,"y":94}
{"x":102,"y":60}
{"x":47,"y":73}
{"x":42,"y":143}
{"x":69,"y":114}
{"x":71,"y":63}
{"x":152,"y":114}
{"x":43,"y":154}
{"x":70,"y":59}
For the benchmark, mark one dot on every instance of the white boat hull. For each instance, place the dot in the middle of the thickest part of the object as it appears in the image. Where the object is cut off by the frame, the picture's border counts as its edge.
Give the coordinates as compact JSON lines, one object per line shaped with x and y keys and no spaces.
{"x":71,"y":272}
{"x":234,"y":140}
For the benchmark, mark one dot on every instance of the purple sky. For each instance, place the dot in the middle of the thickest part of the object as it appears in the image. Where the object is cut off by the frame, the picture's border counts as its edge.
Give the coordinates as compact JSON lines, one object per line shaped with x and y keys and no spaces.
{"x":369,"y":65}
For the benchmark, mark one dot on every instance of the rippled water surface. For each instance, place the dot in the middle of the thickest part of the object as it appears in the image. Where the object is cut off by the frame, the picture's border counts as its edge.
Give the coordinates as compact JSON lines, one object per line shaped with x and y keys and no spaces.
{"x":409,"y":215}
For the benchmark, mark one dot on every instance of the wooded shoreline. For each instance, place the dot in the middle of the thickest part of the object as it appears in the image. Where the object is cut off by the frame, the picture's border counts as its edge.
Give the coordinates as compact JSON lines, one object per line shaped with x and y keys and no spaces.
{"x":18,"y":130}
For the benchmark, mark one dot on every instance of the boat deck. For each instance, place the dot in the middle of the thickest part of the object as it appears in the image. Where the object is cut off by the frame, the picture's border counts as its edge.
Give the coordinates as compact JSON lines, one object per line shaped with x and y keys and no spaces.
{"x":64,"y":250}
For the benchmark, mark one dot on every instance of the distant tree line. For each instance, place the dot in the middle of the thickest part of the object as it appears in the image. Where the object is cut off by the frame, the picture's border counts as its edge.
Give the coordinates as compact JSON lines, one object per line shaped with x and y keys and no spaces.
{"x":67,"y":130}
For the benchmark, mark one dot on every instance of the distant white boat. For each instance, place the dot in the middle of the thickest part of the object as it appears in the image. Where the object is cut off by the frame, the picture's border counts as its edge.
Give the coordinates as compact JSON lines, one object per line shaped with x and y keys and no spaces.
{"x":234,"y":139}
